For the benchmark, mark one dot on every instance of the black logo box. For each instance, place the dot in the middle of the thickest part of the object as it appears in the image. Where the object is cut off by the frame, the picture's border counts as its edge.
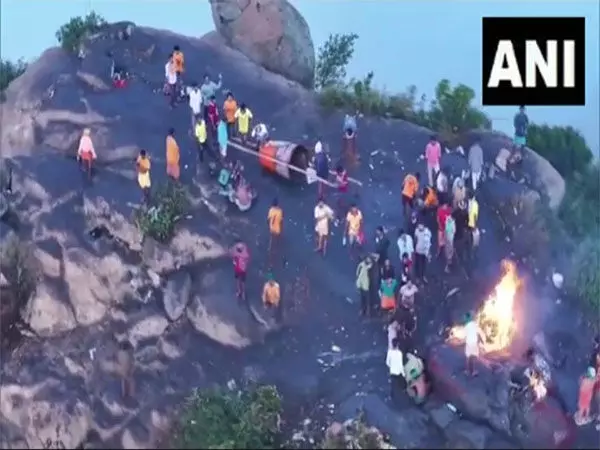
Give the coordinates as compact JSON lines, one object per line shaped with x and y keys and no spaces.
{"x":518,"y":30}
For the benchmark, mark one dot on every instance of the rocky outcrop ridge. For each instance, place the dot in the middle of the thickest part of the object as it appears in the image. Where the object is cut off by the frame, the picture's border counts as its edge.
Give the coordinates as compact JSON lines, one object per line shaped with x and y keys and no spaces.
{"x":271,"y":33}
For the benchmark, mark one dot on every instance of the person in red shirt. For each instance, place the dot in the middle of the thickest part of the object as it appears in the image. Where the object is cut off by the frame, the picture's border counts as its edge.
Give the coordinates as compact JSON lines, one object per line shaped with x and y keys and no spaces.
{"x":343,"y":185}
{"x":212,"y":111}
{"x":241,"y":258}
{"x":443,"y":212}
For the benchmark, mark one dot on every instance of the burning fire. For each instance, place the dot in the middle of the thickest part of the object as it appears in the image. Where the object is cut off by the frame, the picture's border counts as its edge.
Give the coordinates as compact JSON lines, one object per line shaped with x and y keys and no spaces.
{"x":538,"y":386}
{"x":496,"y":317}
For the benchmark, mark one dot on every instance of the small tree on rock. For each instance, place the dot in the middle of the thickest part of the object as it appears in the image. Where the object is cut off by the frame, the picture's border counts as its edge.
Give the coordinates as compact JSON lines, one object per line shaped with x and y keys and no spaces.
{"x":71,"y":34}
{"x":333,"y":58}
{"x":10,"y":70}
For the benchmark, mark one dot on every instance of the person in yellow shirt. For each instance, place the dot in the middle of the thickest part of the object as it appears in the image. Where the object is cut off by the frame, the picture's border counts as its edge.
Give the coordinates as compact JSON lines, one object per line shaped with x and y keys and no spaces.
{"x":275,"y":221}
{"x":229,"y":109}
{"x":201,"y":137}
{"x":271,"y":297}
{"x":244,"y":118}
{"x":473,"y":212}
{"x":143,"y":170}
{"x":173,"y":155}
{"x":410,"y":189}
{"x":354,"y":227}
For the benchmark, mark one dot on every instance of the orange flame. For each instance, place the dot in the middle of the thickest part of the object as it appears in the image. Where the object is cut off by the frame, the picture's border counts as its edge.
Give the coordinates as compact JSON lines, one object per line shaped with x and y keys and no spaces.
{"x":496,"y":316}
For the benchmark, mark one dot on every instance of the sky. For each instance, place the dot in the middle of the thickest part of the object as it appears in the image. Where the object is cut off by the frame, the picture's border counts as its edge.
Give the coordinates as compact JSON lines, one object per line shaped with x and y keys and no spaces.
{"x":404,"y":42}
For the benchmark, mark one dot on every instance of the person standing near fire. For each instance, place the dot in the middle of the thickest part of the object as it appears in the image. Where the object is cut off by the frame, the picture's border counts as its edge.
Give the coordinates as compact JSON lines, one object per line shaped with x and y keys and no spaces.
{"x":473,"y":339}
{"x":587,"y":384}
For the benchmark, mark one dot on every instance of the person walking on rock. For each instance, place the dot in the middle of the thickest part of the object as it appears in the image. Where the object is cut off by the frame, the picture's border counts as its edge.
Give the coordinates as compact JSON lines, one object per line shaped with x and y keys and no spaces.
{"x":275,"y":222}
{"x":195,"y":101}
{"x":230,"y":107}
{"x":449,"y":235}
{"x":171,"y":81}
{"x":422,"y":250}
{"x":476,"y":162}
{"x":461,"y":235}
{"x":173,"y":156}
{"x":443,"y":212}
{"x":209,"y":90}
{"x":363,"y":284}
{"x":395,"y":362}
{"x":143,"y":174}
{"x":354,"y":229}
{"x":433,"y":156}
{"x":405,"y":245}
{"x":442,"y":185}
{"x":271,"y":297}
{"x":410,"y":189}
{"x":323,"y":215}
{"x":201,"y":139}
{"x":321,"y":167}
{"x":244,"y":121}
{"x":241,"y":257}
{"x":178,"y":65}
{"x":222,"y":139}
{"x":86,"y":154}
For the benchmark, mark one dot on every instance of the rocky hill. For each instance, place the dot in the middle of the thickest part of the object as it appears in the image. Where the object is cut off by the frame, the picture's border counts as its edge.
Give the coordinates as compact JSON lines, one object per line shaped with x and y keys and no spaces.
{"x":95,"y":291}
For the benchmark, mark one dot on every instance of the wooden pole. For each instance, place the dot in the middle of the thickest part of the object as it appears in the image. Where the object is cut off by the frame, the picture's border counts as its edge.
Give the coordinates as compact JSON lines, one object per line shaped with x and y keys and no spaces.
{"x":241,"y":148}
{"x":268,"y":158}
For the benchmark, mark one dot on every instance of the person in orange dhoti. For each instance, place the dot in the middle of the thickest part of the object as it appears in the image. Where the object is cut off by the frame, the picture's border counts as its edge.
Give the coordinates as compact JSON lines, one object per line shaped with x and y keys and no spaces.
{"x":173,"y":169}
{"x":86,"y":153}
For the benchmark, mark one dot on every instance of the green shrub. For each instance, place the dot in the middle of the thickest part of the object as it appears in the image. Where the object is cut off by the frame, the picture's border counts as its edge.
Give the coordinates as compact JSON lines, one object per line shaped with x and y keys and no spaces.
{"x":332,"y":59}
{"x":10,"y":70}
{"x":579,"y":211}
{"x":19,"y":267}
{"x":564,"y":147}
{"x":584,"y":281}
{"x":220,"y":419}
{"x":354,"y":434}
{"x":72,"y":33}
{"x":168,"y":204}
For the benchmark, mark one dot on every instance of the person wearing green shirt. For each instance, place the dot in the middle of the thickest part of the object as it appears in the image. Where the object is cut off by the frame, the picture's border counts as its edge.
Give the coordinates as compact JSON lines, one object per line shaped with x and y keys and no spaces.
{"x":387,"y":292}
{"x":363,"y":284}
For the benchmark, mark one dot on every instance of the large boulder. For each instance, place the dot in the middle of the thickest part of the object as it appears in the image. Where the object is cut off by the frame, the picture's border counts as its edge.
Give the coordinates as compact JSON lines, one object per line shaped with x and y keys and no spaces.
{"x":272,"y":33}
{"x":536,"y":171}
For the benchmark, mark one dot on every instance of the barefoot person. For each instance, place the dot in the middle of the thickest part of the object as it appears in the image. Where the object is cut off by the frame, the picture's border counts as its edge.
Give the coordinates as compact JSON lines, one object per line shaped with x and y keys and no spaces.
{"x":230,"y":106}
{"x":323,"y":215}
{"x":86,"y":153}
{"x":473,"y":338}
{"x":587,"y":384}
{"x":143,"y":170}
{"x":275,"y":221}
{"x":241,"y":258}
{"x":244,"y":120}
{"x":354,"y":229}
{"x":173,"y":169}
{"x":271,"y":297}
{"x":433,"y":156}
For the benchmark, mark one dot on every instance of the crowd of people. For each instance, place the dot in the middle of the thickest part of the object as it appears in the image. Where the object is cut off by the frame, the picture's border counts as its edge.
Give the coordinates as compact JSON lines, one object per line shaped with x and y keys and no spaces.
{"x":445,"y":210}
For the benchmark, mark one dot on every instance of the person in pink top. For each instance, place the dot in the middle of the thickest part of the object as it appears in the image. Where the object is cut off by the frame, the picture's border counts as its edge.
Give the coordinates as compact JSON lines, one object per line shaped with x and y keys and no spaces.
{"x":433,"y":156}
{"x":86,"y":153}
{"x":241,"y":257}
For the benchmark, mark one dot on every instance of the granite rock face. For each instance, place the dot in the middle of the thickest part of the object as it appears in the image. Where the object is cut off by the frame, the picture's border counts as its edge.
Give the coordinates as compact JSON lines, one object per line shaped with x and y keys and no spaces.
{"x":271,"y":33}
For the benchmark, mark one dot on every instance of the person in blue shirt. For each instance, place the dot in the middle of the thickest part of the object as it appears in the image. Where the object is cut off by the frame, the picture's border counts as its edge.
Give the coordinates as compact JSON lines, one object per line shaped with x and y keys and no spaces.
{"x":222,"y":138}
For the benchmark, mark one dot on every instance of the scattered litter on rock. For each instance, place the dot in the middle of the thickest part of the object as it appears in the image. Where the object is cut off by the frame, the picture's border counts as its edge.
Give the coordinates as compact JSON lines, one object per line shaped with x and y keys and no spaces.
{"x":452,"y":292}
{"x":335,"y":348}
{"x":557,"y":280}
{"x":92,"y":352}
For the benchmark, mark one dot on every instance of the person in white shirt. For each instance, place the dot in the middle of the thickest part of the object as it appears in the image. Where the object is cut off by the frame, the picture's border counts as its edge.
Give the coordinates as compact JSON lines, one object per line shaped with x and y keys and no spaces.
{"x":441,"y":185}
{"x":422,"y":250}
{"x":407,"y":293}
{"x":323,"y":214}
{"x":395,"y":362}
{"x":405,"y":245}
{"x":260,"y":133}
{"x":195,"y":101}
{"x":171,"y":82}
{"x":473,"y":338}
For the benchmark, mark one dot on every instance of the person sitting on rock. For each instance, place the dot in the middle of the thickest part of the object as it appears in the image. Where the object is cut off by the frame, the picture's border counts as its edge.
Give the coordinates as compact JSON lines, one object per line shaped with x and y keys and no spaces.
{"x":271,"y":297}
{"x":86,"y":153}
{"x":243,"y":196}
{"x":417,"y":386}
{"x":587,"y":385}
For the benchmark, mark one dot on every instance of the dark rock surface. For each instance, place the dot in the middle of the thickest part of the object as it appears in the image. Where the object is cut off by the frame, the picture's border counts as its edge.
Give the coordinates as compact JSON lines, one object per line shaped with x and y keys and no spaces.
{"x":177,"y":294}
{"x":87,"y":302}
